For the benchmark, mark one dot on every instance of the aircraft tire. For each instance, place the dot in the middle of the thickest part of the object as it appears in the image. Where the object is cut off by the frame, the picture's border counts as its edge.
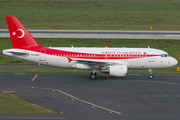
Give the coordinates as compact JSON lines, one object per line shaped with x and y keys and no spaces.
{"x":93,"y":75}
{"x":151,"y":76}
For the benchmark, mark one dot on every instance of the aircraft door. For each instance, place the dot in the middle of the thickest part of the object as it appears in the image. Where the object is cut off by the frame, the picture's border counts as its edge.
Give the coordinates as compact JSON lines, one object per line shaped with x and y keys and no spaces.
{"x":151,"y":57}
{"x":42,"y":55}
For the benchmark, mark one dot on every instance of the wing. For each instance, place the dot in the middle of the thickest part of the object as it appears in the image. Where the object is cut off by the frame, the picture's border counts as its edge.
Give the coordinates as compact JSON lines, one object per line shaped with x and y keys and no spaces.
{"x":99,"y":64}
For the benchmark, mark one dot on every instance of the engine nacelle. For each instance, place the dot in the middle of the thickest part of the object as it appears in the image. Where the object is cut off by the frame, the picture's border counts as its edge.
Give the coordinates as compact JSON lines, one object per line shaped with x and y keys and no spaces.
{"x":119,"y":71}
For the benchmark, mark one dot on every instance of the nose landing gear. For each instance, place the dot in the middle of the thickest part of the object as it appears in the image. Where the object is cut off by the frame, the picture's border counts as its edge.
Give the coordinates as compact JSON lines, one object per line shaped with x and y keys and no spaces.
{"x":150,"y":74}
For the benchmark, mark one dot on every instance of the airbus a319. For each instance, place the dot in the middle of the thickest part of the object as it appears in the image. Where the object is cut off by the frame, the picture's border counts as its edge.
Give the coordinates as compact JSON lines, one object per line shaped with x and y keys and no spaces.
{"x":114,"y":61}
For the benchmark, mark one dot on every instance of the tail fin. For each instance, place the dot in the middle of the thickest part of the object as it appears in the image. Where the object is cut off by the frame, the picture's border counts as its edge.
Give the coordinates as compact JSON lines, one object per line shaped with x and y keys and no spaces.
{"x":20,"y":37}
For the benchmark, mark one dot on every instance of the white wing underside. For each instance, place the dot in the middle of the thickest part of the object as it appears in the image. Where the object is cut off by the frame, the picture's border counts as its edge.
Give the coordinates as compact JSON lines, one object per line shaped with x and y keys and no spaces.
{"x":100,"y":64}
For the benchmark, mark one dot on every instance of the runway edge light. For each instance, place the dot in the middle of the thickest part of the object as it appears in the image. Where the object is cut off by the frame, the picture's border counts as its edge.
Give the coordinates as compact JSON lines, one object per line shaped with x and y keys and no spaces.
{"x":178,"y":68}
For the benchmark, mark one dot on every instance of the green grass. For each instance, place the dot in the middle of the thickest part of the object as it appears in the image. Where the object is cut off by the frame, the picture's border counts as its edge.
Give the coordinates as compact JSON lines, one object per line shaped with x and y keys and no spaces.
{"x":10,"y":103}
{"x":93,"y":14}
{"x":170,"y":46}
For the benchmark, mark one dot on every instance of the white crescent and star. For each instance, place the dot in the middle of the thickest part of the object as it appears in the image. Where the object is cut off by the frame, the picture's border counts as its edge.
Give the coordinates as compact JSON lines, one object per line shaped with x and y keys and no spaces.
{"x":23,"y":33}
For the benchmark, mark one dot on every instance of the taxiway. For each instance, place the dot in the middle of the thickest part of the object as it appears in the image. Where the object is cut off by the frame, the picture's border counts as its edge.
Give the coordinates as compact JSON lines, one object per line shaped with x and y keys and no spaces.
{"x":133,"y":97}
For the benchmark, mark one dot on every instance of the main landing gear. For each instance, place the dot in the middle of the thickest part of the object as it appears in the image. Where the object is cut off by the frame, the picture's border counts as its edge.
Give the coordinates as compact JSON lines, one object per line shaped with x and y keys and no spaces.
{"x":150,"y":74}
{"x":93,"y":75}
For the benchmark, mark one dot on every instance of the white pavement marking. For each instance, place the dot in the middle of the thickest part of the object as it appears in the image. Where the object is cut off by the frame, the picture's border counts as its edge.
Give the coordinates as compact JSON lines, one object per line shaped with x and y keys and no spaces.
{"x":88,"y":102}
{"x":8,"y":91}
{"x":92,"y":104}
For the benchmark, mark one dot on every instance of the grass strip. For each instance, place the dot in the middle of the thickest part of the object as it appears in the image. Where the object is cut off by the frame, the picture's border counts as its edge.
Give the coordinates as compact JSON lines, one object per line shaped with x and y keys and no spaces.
{"x":93,"y":14}
{"x":10,"y":104}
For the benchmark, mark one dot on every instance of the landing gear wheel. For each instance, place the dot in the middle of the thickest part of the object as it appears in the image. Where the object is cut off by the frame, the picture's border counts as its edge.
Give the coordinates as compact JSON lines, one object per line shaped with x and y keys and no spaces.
{"x":151,"y":76}
{"x":93,"y":75}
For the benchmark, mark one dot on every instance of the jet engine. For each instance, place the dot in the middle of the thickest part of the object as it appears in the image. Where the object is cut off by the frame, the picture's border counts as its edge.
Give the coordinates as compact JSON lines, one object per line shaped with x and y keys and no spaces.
{"x":119,"y":71}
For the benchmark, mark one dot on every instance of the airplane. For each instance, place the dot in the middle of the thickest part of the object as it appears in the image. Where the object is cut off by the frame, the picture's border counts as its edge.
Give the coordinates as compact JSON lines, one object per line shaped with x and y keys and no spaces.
{"x":114,"y":61}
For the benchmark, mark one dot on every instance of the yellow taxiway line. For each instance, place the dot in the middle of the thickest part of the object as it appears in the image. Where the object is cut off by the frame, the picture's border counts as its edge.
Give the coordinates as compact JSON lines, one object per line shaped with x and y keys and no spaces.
{"x":34,"y":77}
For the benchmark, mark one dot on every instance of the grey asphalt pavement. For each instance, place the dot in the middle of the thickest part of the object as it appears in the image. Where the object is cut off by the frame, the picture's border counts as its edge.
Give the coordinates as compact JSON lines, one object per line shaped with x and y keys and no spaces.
{"x":134,"y":97}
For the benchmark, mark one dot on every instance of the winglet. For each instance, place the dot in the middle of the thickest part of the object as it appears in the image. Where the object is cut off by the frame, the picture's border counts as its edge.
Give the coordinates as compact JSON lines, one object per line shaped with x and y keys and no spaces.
{"x":20,"y":37}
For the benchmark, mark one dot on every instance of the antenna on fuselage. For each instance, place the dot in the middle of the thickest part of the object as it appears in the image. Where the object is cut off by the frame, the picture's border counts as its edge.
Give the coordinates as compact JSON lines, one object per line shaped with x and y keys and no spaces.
{"x":72,"y":46}
{"x":148,"y":47}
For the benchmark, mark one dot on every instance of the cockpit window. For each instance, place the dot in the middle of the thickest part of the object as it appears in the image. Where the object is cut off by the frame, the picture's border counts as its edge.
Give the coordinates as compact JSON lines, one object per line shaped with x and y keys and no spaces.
{"x":165,"y":55}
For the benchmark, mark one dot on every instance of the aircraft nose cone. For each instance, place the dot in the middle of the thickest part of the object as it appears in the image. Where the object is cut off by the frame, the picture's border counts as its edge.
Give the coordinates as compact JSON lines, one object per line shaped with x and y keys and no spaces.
{"x":175,"y":62}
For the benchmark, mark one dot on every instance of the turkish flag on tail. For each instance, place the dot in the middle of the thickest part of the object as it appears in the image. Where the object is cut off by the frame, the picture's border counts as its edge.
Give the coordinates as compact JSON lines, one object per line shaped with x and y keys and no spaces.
{"x":20,"y":37}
